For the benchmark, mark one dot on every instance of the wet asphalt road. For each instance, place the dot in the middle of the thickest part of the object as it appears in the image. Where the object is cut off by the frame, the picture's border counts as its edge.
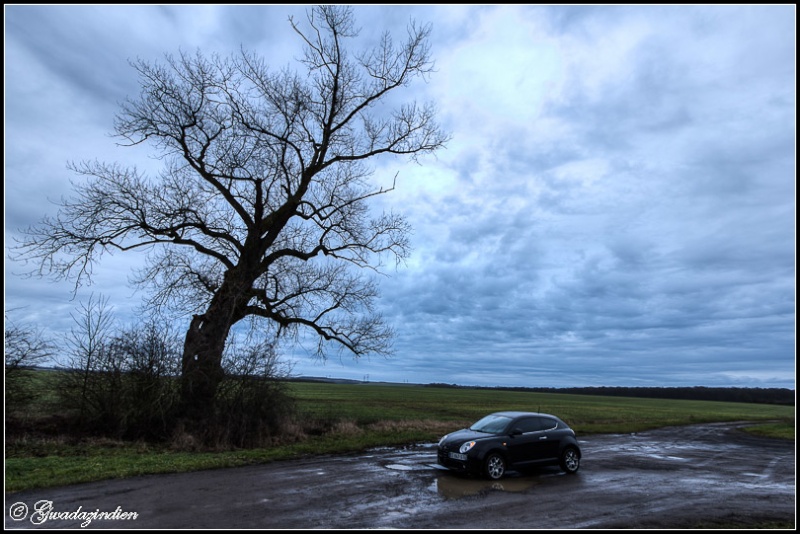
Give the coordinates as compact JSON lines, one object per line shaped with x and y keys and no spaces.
{"x":684,"y":477}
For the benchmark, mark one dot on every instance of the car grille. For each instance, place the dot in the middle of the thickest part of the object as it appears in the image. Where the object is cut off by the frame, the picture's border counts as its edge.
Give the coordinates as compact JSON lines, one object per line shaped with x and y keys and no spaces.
{"x":445,"y":460}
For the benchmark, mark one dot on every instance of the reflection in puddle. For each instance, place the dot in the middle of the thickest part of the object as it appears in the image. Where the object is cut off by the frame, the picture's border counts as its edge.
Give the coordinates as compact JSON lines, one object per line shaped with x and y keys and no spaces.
{"x":400,"y":467}
{"x":451,"y":486}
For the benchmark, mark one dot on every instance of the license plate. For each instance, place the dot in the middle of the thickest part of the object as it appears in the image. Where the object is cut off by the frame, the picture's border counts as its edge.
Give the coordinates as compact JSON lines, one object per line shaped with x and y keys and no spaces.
{"x":457,"y":456}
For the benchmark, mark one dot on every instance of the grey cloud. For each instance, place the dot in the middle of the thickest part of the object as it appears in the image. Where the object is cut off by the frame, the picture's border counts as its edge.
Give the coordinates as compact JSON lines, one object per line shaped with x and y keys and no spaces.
{"x":86,"y":55}
{"x":639,"y":231}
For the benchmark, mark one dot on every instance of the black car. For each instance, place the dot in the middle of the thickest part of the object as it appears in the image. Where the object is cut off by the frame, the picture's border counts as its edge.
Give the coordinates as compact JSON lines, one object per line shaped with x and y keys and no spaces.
{"x":510,"y":440}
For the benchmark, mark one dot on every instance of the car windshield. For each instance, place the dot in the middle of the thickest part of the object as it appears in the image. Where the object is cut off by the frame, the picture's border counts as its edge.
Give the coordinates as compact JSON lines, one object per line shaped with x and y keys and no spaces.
{"x":492,"y":424}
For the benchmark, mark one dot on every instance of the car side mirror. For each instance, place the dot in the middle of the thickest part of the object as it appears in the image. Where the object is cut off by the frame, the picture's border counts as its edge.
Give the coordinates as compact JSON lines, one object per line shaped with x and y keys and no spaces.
{"x":516,"y":432}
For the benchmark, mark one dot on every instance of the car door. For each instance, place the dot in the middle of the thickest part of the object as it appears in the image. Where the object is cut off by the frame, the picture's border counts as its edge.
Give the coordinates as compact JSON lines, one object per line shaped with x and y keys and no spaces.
{"x":548,"y":439}
{"x":523,"y":440}
{"x":533,"y":440}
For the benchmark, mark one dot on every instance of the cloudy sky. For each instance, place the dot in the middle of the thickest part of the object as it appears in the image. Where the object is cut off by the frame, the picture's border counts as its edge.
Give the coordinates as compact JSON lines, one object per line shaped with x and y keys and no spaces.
{"x":616,"y":206}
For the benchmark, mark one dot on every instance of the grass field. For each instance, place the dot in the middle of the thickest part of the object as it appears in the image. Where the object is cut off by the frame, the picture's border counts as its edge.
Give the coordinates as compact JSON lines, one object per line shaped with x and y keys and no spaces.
{"x":366,"y":404}
{"x":360,"y":416}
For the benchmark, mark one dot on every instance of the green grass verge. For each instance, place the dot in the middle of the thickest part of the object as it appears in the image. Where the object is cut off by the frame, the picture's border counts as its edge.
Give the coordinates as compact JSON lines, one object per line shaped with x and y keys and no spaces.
{"x":781,"y":430}
{"x":362,"y":416}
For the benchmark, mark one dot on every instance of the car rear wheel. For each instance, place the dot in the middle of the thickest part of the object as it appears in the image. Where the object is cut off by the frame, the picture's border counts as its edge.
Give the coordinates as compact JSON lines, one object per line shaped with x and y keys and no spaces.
{"x":495,"y":466}
{"x":570,"y":460}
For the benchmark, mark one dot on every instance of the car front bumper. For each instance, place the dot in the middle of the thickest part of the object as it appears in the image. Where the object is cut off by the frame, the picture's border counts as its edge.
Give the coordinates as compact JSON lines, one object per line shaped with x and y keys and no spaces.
{"x":457,"y":462}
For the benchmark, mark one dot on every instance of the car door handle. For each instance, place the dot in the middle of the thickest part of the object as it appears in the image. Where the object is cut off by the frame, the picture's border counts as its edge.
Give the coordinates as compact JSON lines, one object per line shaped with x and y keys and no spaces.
{"x":543,"y":437}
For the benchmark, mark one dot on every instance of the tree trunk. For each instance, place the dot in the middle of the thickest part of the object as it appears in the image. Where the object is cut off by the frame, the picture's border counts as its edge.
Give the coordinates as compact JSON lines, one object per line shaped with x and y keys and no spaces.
{"x":202,"y":366}
{"x":204,"y":345}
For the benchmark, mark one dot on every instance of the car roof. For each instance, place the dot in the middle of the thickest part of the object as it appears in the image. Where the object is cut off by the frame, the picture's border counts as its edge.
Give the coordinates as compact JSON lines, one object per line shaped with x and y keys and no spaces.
{"x":521,"y":414}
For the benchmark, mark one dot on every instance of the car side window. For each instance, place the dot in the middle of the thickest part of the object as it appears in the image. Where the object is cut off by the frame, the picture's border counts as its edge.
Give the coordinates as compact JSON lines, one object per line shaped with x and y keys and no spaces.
{"x":529,"y":424}
{"x":545,"y":423}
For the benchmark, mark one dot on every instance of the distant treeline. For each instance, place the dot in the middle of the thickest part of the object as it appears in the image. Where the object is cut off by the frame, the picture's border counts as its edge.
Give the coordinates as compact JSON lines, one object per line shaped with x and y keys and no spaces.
{"x":781,"y":396}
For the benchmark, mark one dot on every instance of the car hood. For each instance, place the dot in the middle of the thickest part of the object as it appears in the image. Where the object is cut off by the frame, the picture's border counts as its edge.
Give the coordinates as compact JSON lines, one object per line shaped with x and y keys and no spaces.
{"x":460,"y":436}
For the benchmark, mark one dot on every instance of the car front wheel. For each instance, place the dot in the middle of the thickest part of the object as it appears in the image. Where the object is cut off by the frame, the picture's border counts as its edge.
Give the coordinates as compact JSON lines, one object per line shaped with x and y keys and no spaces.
{"x":570,"y":460}
{"x":495,"y":466}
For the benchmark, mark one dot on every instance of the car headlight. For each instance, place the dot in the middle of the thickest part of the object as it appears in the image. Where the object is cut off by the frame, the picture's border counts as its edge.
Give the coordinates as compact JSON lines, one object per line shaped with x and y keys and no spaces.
{"x":466,"y":446}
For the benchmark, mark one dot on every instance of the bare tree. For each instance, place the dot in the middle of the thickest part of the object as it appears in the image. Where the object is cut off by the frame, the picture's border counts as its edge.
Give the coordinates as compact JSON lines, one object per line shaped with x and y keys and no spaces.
{"x":97,"y":369}
{"x":24,"y":347}
{"x":262,"y":207}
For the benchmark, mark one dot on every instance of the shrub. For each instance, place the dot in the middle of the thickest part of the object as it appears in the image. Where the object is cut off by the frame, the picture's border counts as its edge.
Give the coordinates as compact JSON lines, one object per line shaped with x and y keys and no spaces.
{"x":252,"y":406}
{"x":121,"y":384}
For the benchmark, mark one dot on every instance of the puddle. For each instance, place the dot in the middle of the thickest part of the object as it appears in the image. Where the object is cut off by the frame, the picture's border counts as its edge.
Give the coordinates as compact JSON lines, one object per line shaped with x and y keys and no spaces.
{"x":454,"y":486}
{"x":450,"y":486}
{"x":401,"y":467}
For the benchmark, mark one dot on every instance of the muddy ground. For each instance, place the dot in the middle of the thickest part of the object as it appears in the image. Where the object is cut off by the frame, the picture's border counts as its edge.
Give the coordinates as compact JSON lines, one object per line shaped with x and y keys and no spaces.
{"x":685,"y":477}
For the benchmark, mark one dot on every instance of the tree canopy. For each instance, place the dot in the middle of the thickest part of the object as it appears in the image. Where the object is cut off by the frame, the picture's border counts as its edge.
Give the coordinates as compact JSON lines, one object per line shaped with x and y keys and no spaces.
{"x":262,"y":207}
